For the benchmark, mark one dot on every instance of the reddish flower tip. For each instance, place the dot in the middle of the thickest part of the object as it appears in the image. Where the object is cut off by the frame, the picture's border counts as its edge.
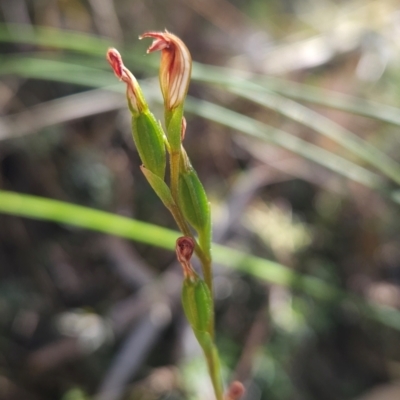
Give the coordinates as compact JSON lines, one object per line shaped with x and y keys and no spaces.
{"x":115,"y":60}
{"x":135,"y":97}
{"x":161,"y":40}
{"x":235,"y":391}
{"x":184,"y":251}
{"x":184,"y":248}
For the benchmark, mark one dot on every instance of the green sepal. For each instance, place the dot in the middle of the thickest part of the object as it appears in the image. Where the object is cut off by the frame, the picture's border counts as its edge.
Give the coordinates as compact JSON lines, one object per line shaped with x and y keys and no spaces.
{"x":197,"y":303}
{"x":195,"y":206}
{"x":160,"y":187}
{"x":149,"y":140}
{"x":173,"y":122}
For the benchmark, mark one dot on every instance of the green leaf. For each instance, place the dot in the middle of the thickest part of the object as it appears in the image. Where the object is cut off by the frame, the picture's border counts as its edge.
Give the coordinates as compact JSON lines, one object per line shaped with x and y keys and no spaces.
{"x":197,"y":303}
{"x":24,"y":205}
{"x":149,"y":140}
{"x":195,"y":206}
{"x":160,"y":187}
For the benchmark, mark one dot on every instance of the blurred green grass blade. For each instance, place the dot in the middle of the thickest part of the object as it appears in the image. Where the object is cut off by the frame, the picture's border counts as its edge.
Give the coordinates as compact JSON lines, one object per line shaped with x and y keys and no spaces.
{"x":274,"y":272}
{"x":72,"y":73}
{"x":307,"y":117}
{"x":24,"y":205}
{"x":299,"y":91}
{"x":82,"y":72}
{"x":328,"y":128}
{"x":331,"y":99}
{"x":53,"y":37}
{"x":283,"y":139}
{"x":90,"y":46}
{"x":78,"y":74}
{"x":96,"y":46}
{"x":55,"y":70}
{"x":84,"y":217}
{"x":66,"y":213}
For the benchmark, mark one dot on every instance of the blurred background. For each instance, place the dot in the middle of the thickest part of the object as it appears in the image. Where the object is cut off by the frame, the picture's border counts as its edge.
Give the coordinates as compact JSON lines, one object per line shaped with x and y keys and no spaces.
{"x":293,"y":127}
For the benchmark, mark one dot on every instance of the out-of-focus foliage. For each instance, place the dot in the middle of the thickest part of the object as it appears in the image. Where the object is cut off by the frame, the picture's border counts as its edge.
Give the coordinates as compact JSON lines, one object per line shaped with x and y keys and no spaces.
{"x":296,"y":140}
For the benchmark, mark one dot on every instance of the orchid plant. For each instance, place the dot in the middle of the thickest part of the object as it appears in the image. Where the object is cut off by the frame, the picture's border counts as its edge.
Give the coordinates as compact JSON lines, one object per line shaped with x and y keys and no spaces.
{"x":184,"y":195}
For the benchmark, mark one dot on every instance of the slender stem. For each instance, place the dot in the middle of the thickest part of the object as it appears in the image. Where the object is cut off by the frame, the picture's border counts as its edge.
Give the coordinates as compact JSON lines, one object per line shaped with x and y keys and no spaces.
{"x":180,"y":221}
{"x":205,"y":243}
{"x":207,"y":273}
{"x":206,"y":265}
{"x":212,"y":358}
{"x":175,"y":157}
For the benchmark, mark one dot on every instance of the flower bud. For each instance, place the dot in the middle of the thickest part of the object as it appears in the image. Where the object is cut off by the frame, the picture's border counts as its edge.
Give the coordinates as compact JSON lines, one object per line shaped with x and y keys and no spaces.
{"x":147,"y":132}
{"x":175,"y":68}
{"x":197,"y":304}
{"x":134,"y":94}
{"x":193,"y":202}
{"x":149,"y":140}
{"x":196,"y":297}
{"x":184,"y":250}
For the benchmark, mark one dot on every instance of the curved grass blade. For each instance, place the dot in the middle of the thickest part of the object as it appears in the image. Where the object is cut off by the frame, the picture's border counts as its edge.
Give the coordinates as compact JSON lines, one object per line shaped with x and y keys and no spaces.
{"x":94,"y":45}
{"x":310,"y":118}
{"x":55,"y":70}
{"x":24,"y":205}
{"x":283,"y":139}
{"x":66,"y":72}
{"x":53,"y":37}
{"x":300,"y":91}
{"x":63,"y":71}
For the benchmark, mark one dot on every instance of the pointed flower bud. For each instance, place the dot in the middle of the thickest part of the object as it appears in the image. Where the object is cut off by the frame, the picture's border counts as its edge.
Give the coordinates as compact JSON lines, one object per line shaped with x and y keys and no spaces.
{"x":196,"y":297}
{"x":184,"y":251}
{"x":147,"y":132}
{"x":175,"y":69}
{"x":136,"y":101}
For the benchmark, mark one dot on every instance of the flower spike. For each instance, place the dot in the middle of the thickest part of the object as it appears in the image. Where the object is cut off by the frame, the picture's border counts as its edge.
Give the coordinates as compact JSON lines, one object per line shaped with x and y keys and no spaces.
{"x":175,"y":69}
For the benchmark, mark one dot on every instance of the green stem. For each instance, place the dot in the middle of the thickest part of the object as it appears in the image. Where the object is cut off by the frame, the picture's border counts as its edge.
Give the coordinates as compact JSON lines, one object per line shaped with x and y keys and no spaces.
{"x":214,"y":369}
{"x":175,"y":157}
{"x":205,"y":244}
{"x":207,"y":273}
{"x":211,"y":354}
